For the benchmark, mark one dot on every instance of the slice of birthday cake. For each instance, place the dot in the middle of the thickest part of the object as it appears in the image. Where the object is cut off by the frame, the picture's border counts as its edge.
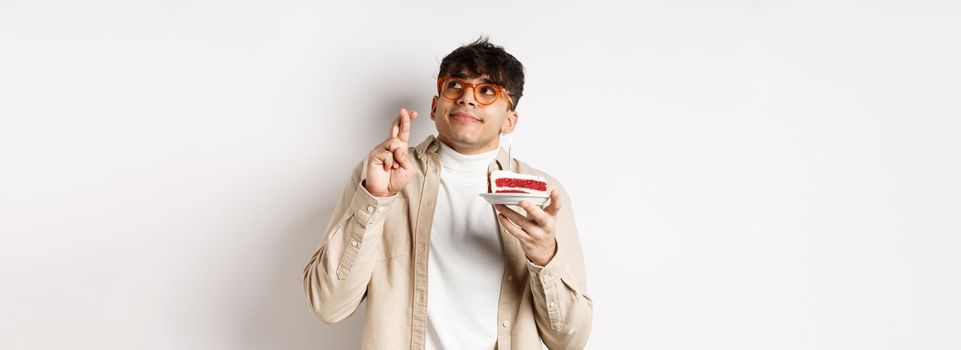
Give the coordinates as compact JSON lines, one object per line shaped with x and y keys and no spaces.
{"x":501,"y":181}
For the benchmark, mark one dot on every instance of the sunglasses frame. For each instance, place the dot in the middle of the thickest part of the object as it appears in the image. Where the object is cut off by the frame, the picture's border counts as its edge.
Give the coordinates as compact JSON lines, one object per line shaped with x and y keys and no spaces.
{"x":500,"y":90}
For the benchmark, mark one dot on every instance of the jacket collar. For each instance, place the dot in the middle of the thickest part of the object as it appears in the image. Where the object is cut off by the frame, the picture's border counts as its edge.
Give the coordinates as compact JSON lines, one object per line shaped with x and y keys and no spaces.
{"x":431,"y":144}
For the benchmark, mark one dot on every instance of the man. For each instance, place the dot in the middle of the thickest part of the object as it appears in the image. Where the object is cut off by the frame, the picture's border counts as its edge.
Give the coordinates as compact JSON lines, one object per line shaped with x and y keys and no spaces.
{"x":440,"y":267}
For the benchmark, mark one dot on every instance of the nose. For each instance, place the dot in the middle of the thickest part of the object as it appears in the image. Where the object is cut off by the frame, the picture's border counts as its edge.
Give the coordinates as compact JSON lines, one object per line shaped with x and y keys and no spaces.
{"x":467,"y":99}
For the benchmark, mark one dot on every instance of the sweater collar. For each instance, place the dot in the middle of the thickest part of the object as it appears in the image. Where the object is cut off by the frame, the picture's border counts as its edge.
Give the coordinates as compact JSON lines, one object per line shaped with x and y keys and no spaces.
{"x":431,"y":144}
{"x":474,"y":163}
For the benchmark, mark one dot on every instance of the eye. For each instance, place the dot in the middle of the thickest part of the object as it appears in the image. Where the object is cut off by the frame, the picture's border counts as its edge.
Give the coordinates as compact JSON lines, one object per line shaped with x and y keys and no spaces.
{"x":487,"y":90}
{"x":453,"y":84}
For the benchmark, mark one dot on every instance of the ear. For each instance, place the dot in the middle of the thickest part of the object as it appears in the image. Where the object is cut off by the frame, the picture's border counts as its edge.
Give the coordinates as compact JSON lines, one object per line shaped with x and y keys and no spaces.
{"x":510,"y":122}
{"x":433,"y":107}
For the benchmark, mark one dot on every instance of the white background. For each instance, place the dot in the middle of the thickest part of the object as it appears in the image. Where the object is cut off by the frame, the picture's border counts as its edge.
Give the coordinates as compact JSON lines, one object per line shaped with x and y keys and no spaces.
{"x":745,"y":174}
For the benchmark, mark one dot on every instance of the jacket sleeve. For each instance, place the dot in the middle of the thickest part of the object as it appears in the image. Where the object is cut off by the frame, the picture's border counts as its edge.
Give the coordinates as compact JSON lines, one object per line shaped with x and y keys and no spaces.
{"x":337,"y":274}
{"x":562,"y":306}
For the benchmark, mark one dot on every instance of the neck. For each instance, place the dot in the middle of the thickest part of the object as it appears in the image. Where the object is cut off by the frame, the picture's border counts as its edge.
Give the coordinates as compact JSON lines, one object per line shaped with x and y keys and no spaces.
{"x":471,"y":149}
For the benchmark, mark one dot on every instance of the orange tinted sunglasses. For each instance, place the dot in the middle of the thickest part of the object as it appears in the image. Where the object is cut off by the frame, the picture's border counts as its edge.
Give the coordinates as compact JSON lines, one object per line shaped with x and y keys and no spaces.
{"x":484,"y":93}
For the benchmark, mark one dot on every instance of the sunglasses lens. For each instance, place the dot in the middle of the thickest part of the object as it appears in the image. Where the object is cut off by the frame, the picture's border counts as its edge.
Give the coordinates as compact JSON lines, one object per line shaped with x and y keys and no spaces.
{"x":452,"y":89}
{"x":485,"y":93}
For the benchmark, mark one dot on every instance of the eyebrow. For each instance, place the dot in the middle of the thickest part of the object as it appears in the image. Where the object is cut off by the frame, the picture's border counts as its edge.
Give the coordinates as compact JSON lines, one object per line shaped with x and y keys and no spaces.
{"x":464,"y":76}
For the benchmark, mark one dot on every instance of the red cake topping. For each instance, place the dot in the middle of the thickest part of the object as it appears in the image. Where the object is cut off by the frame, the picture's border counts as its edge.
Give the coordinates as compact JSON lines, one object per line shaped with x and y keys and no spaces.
{"x":532,"y":184}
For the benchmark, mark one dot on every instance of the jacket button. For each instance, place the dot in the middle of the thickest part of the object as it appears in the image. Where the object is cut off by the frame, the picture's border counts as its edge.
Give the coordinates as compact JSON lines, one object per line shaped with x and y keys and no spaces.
{"x":510,"y":277}
{"x":505,"y":324}
{"x":353,"y":243}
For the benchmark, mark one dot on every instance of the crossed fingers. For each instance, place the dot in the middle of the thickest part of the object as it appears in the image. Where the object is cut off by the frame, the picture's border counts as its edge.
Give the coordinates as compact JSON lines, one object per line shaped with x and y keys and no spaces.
{"x":394,"y":149}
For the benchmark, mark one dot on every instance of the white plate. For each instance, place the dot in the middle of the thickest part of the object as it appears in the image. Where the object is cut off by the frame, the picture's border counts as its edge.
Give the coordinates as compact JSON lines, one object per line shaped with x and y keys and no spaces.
{"x":515,"y":198}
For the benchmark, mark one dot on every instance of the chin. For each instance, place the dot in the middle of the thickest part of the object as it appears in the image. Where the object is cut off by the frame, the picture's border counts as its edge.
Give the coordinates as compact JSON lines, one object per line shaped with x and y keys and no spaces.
{"x":468,"y":140}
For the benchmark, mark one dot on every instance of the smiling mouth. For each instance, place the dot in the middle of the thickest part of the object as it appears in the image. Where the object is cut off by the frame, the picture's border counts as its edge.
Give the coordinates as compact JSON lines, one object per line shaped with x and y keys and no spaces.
{"x":464,"y":118}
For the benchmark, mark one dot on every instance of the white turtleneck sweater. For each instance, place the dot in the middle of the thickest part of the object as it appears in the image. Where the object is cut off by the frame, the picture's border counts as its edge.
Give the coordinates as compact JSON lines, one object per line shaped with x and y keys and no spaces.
{"x":466,"y":260}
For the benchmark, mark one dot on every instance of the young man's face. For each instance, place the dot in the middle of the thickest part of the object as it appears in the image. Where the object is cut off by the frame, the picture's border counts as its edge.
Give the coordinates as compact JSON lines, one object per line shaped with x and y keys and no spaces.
{"x":468,"y":126}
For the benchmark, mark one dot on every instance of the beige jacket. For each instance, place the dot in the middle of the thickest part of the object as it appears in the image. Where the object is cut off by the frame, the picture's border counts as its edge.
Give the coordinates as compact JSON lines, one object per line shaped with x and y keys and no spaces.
{"x":377,"y":248}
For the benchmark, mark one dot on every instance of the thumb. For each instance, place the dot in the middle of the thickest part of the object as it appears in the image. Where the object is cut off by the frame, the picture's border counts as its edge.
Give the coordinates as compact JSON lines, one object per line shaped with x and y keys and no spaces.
{"x":388,"y":162}
{"x":400,"y":155}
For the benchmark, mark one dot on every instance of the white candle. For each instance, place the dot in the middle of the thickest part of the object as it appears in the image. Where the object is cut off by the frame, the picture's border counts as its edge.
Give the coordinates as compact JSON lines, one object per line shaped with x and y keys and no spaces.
{"x":510,"y":157}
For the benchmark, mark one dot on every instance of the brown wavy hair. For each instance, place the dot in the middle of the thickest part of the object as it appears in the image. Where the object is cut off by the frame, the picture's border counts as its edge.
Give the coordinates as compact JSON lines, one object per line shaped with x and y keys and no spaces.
{"x":483,"y":58}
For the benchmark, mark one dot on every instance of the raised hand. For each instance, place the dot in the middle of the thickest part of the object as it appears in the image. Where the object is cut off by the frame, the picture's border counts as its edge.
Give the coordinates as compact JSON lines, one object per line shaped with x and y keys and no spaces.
{"x":388,"y":170}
